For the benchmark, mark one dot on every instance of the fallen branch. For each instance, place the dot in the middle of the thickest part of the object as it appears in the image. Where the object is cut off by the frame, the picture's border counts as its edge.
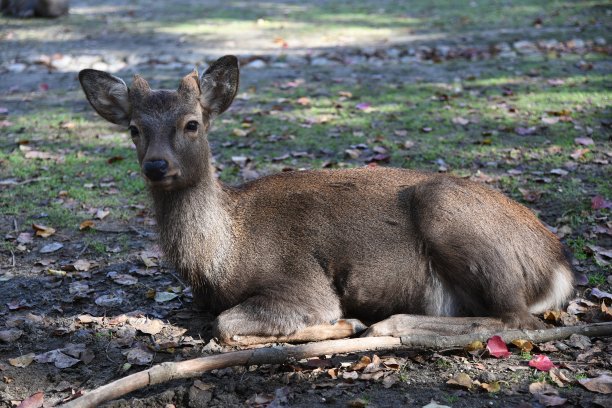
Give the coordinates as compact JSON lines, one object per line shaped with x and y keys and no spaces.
{"x":277,"y":355}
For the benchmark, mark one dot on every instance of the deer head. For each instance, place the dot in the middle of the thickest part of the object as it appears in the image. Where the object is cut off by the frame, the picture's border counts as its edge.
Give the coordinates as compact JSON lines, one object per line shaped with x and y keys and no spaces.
{"x":169,"y":128}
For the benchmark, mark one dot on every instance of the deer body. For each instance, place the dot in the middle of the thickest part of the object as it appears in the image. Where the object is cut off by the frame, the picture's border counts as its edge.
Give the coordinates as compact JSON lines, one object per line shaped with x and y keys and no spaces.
{"x":290,"y":251}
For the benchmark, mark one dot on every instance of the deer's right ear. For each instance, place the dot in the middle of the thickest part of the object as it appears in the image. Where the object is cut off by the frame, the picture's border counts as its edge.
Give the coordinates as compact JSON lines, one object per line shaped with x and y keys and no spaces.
{"x":107,"y":94}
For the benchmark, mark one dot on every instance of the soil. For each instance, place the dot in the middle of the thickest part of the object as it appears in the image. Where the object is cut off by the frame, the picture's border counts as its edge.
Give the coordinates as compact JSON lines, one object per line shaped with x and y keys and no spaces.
{"x":50,"y":302}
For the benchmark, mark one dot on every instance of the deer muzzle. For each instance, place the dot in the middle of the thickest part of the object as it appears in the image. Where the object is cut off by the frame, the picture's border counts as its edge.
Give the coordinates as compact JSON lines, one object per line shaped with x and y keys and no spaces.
{"x":155,"y":170}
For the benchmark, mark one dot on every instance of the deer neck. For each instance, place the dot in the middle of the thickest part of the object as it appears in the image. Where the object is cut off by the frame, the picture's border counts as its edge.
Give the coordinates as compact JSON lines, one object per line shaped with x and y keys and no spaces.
{"x":195,"y":230}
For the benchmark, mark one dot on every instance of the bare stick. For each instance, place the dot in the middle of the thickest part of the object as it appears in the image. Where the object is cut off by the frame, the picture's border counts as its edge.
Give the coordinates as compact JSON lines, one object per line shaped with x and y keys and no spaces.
{"x":277,"y":355}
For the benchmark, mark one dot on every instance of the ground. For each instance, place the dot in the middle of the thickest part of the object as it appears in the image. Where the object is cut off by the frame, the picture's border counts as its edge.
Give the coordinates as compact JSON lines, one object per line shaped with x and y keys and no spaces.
{"x":514,"y":94}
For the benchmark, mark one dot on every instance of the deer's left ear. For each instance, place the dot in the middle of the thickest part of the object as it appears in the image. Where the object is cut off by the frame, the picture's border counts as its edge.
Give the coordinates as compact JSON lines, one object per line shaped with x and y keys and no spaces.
{"x":219,"y":84}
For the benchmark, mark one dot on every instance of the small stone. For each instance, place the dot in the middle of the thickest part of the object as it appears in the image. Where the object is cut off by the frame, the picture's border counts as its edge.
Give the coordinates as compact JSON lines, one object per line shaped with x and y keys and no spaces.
{"x":525,"y":47}
{"x":487,"y":377}
{"x":393,"y":53}
{"x":16,"y":67}
{"x":503,"y":47}
{"x":548,"y":44}
{"x":356,"y":59}
{"x":600,"y":41}
{"x":295,"y":60}
{"x":257,"y":64}
{"x":320,"y":61}
{"x":576,"y":43}
{"x":443,"y":50}
{"x":507,"y":54}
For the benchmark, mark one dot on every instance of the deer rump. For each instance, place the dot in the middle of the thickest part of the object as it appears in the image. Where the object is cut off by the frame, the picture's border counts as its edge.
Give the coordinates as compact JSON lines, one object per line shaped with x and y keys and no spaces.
{"x":287,"y":256}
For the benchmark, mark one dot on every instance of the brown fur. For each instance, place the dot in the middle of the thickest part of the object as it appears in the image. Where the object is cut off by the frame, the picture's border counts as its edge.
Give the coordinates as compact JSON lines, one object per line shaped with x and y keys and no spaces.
{"x":299,"y":249}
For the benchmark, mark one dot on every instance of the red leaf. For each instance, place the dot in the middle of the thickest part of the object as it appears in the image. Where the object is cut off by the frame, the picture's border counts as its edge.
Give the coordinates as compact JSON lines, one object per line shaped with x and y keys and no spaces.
{"x":497,"y":347}
{"x":599,"y":202}
{"x":33,"y":401}
{"x":541,"y":362}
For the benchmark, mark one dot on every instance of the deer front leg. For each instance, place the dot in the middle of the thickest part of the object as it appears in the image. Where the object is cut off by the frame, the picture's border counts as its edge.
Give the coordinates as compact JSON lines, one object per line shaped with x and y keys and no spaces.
{"x":270,"y":318}
{"x":404,"y":325}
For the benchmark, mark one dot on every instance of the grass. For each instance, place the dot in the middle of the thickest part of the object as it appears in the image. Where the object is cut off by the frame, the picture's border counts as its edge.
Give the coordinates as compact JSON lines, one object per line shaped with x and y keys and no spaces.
{"x":457,"y":115}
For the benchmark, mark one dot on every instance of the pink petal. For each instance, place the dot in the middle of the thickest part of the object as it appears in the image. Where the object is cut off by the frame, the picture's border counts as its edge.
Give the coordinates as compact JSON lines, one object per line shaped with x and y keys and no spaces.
{"x":541,"y":362}
{"x":497,"y":347}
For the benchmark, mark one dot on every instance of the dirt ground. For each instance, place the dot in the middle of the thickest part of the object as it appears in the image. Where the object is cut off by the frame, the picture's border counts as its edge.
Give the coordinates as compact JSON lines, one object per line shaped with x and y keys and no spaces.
{"x":81,"y":306}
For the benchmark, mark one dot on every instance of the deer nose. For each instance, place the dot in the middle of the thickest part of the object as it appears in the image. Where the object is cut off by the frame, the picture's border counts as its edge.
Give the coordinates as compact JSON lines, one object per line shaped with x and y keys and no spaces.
{"x":155,"y":170}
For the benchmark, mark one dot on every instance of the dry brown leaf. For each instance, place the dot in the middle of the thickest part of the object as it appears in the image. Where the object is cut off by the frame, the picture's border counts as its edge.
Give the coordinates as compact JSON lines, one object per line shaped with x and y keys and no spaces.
{"x":43,"y":231}
{"x":361,"y":364}
{"x":82,"y":265}
{"x":524,"y":345}
{"x":461,"y":380}
{"x":22,"y":361}
{"x":492,"y":387}
{"x":475,"y":345}
{"x":86,"y":224}
{"x":33,"y":401}
{"x":146,"y":325}
{"x":601,"y":384}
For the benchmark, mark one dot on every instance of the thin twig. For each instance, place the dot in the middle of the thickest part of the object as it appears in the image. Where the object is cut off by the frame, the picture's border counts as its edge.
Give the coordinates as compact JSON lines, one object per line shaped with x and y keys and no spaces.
{"x":277,"y":355}
{"x":82,"y":251}
{"x":13,"y":264}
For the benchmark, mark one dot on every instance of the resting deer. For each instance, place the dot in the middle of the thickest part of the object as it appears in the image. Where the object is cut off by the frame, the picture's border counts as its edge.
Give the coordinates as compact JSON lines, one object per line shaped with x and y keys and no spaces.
{"x":288,"y":256}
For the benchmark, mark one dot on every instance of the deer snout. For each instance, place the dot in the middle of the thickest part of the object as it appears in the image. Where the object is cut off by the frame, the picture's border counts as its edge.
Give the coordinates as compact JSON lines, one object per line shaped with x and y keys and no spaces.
{"x":155,"y":170}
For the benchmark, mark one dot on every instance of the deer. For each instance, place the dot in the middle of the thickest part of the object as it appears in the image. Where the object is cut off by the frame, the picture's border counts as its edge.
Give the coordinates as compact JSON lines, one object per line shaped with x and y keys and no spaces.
{"x":325,"y":254}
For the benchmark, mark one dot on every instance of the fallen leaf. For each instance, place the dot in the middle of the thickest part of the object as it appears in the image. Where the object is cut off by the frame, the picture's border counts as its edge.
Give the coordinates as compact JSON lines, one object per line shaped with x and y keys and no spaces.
{"x":475,"y":345}
{"x":523,"y":131}
{"x":524,"y":345}
{"x":10,"y":335}
{"x":598,"y":202}
{"x":161,"y":297}
{"x":600,"y":294}
{"x":530,"y":195}
{"x":43,"y":231}
{"x":101,"y":214}
{"x":124,"y":279}
{"x":559,"y":377}
{"x":541,"y":362}
{"x":492,"y":387}
{"x":25,"y":238}
{"x":52,"y":247}
{"x":82,"y":265}
{"x":578,"y":153}
{"x":361,"y":364}
{"x":584,"y":141}
{"x":460,"y":121}
{"x":86,"y":224}
{"x":58,"y":358}
{"x":461,"y":380}
{"x":22,"y":361}
{"x":601,"y":384}
{"x":146,"y":325}
{"x":139,"y":356}
{"x":114,"y":159}
{"x":363,"y":106}
{"x":434,"y":404}
{"x":497,"y":347}
{"x":304,"y":101}
{"x":33,"y":401}
{"x":109,"y":300}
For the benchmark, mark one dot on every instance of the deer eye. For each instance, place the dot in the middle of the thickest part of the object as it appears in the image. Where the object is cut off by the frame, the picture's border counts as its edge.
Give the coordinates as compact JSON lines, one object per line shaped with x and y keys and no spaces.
{"x":191,"y":126}
{"x":134,"y":131}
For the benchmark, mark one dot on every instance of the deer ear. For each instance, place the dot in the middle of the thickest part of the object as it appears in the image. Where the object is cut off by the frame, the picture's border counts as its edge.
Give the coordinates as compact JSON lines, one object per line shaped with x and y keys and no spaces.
{"x":107,"y":94}
{"x":219,"y":84}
